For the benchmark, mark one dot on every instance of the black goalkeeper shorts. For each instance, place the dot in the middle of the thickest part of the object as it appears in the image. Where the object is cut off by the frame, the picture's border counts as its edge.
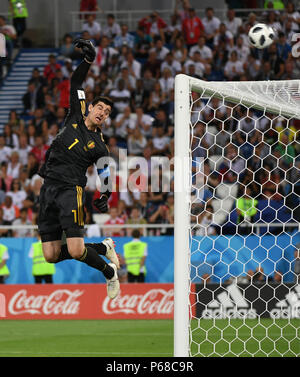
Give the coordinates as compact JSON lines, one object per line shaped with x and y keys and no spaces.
{"x":61,"y":209}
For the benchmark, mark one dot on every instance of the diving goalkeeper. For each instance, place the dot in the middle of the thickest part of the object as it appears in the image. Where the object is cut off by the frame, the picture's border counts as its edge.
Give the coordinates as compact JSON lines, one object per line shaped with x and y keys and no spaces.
{"x":77,"y":146}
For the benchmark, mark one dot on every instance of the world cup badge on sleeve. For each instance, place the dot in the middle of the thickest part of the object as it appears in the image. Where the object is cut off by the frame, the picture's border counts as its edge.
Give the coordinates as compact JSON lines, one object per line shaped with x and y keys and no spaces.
{"x":2,"y":46}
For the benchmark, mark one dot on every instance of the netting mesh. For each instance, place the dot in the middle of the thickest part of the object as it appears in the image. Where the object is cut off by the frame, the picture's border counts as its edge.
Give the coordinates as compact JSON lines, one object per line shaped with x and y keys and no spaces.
{"x":244,"y":233}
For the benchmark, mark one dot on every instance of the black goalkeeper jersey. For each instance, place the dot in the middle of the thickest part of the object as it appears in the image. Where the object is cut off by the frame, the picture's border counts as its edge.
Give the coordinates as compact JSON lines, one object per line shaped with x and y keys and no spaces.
{"x":75,"y":147}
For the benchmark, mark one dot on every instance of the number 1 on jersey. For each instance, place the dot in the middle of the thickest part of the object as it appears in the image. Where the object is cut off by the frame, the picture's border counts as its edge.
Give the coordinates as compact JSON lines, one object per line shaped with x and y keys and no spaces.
{"x":72,"y":145}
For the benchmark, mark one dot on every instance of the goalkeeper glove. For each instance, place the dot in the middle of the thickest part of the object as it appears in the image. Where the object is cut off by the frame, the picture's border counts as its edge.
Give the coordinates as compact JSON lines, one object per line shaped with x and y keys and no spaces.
{"x":101,"y":204}
{"x":87,"y":47}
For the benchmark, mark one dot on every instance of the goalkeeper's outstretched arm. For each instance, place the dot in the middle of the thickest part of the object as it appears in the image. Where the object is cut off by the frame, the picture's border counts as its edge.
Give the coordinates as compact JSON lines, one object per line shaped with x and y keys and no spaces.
{"x":77,"y":95}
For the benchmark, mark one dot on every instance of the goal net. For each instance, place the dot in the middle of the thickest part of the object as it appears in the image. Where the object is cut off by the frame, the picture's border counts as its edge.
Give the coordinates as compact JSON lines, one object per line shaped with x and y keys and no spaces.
{"x":237,"y":240}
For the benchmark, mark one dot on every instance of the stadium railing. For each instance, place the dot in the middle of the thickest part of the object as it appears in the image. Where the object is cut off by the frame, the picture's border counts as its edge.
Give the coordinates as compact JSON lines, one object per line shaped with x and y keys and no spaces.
{"x":147,"y":227}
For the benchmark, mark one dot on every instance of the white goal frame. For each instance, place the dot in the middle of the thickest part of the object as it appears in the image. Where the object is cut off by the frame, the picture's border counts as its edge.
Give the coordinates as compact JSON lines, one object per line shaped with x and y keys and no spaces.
{"x":257,"y":95}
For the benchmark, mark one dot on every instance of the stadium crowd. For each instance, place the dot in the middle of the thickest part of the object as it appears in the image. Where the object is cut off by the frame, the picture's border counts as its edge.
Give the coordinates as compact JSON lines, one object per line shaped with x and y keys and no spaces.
{"x":136,"y":68}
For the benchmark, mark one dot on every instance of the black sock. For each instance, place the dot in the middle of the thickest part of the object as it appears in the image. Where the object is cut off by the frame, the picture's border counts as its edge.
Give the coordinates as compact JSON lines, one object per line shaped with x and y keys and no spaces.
{"x":64,"y":254}
{"x":99,"y":247}
{"x":91,"y":258}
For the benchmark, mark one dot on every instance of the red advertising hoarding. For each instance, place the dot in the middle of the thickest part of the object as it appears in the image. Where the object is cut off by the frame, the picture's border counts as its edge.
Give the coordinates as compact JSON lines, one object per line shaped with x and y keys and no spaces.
{"x":86,"y":301}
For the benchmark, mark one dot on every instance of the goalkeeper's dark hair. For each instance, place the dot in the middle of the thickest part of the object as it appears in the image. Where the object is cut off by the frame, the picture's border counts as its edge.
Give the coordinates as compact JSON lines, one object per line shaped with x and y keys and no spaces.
{"x":103,"y":99}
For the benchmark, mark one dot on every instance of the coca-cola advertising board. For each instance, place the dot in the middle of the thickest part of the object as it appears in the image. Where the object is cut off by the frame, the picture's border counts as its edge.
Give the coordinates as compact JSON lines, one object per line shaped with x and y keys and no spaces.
{"x":86,"y":301}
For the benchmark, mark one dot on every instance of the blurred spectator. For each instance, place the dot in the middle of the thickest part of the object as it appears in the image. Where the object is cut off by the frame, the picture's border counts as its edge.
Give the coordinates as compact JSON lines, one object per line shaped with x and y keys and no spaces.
{"x":4,"y":232}
{"x":172,"y":64}
{"x":232,"y":22}
{"x":114,"y":220}
{"x":125,"y":38}
{"x":179,"y":50}
{"x":5,"y":151}
{"x":156,"y":98}
{"x":10,"y":36}
{"x":143,"y":43}
{"x":22,"y":220}
{"x":93,"y":229}
{"x":136,"y":142}
{"x":112,"y":28}
{"x":67,"y":49}
{"x":33,"y":98}
{"x":14,"y":165}
{"x":51,"y":68}
{"x":153,"y":25}
{"x":160,"y":143}
{"x":206,"y":54}
{"x":257,"y":276}
{"x":192,"y":28}
{"x":233,"y":68}
{"x":10,"y":211}
{"x":135,"y":218}
{"x":211,"y":25}
{"x":124,"y":124}
{"x":88,"y":6}
{"x":92,"y":27}
{"x":120,"y":96}
{"x":292,"y":15}
{"x":17,"y":193}
{"x":39,"y":150}
{"x":104,"y":53}
{"x":205,"y":225}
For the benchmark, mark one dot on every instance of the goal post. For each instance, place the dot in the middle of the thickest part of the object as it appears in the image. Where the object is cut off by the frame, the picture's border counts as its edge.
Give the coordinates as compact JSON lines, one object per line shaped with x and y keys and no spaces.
{"x":215,"y":248}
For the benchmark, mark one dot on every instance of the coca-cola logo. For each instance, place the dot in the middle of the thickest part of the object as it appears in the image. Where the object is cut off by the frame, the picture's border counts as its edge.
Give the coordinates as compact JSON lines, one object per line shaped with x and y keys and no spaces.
{"x":60,"y":301}
{"x":154,"y":301}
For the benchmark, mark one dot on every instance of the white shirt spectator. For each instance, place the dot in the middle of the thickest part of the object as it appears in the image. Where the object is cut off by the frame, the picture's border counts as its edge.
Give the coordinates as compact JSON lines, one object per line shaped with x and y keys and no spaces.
{"x":112,"y":31}
{"x":242,"y":52}
{"x":161,"y":54}
{"x":199,"y":67}
{"x":212,"y":25}
{"x":94,"y":29}
{"x":127,"y":123}
{"x":121,"y":104}
{"x":135,"y":66}
{"x":233,"y":25}
{"x":174,"y":67}
{"x":22,"y":233}
{"x":91,"y":183}
{"x":205,"y":52}
{"x":136,"y":146}
{"x":13,"y":171}
{"x":160,"y":142}
{"x":93,"y":231}
{"x":232,"y":69}
{"x":23,"y":153}
{"x":5,"y":153}
{"x":166,"y":84}
{"x":17,"y":197}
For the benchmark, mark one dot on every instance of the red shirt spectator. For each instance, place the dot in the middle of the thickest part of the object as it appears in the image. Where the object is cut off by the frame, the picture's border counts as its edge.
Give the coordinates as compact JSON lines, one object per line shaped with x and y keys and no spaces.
{"x":51,"y":68}
{"x":192,"y":28}
{"x":88,"y":6}
{"x":150,"y":23}
{"x":114,"y":220}
{"x":64,"y":93}
{"x":40,"y":149}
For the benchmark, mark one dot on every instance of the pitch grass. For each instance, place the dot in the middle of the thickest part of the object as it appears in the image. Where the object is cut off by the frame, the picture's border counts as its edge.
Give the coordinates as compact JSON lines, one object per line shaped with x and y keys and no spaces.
{"x":151,"y":338}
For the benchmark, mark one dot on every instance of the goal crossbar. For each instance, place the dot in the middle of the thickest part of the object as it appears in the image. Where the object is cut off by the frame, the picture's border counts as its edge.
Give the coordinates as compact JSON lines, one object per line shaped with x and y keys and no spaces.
{"x":276,"y":97}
